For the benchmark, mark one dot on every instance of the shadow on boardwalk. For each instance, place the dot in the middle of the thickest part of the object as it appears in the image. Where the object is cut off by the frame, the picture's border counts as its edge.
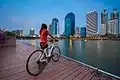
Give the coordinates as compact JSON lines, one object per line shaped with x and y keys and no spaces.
{"x":13,"y":60}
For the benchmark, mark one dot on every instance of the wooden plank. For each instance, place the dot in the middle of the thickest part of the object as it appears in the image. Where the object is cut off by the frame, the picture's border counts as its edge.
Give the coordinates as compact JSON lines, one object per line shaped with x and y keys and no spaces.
{"x":84,"y":73}
{"x":75,"y":74}
{"x":57,"y":73}
{"x":70,"y":72}
{"x":89,"y":76}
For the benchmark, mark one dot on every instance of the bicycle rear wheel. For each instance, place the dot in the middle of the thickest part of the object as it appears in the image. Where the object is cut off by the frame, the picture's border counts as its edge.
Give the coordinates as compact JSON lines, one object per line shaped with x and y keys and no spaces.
{"x":34,"y":67}
{"x":56,"y":53}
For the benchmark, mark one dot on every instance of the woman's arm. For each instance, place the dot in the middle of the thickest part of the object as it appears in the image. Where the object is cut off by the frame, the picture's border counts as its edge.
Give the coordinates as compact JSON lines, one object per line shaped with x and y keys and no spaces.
{"x":50,"y":35}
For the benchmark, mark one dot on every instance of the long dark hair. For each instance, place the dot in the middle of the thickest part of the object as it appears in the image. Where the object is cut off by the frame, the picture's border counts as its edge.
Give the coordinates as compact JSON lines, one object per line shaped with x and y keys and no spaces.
{"x":43,"y":26}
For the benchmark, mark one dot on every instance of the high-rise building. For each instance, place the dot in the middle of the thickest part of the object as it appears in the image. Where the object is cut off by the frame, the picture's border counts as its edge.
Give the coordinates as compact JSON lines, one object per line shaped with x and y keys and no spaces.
{"x":114,"y":22}
{"x":32,"y":32}
{"x":104,"y":23}
{"x":54,"y":26}
{"x":91,"y":23}
{"x":69,"y":24}
{"x":114,"y":14}
{"x":83,"y":32}
{"x":77,"y":31}
{"x":113,"y":25}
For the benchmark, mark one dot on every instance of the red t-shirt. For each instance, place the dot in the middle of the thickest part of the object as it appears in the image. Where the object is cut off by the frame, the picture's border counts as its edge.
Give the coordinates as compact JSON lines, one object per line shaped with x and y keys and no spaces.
{"x":43,"y":36}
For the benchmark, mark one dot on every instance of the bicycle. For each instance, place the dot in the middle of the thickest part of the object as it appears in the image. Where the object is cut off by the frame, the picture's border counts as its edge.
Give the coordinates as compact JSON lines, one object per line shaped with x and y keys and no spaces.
{"x":43,"y":56}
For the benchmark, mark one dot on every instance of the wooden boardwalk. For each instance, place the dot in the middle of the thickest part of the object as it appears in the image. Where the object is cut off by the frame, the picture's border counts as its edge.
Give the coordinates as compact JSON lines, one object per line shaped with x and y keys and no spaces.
{"x":13,"y":60}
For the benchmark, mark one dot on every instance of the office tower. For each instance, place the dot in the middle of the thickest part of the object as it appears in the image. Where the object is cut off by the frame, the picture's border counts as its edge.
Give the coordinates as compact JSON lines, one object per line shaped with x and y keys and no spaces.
{"x":104,"y":23}
{"x":69,"y":24}
{"x":54,"y":26}
{"x":114,"y":22}
{"x":83,"y":32}
{"x":91,"y":23}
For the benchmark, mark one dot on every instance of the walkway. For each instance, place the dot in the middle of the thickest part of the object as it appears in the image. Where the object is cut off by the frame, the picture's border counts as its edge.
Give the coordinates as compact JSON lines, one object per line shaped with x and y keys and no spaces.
{"x":12,"y":67}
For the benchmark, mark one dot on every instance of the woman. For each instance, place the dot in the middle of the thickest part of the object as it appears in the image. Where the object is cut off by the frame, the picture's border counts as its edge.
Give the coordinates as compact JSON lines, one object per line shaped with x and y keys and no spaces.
{"x":43,"y":36}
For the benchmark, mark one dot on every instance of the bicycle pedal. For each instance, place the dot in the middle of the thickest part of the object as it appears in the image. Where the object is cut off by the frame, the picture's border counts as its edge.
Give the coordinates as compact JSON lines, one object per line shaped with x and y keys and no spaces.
{"x":49,"y":59}
{"x":52,"y":55}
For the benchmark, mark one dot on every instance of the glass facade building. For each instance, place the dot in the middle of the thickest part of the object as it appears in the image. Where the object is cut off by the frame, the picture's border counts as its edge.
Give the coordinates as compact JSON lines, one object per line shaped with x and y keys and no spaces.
{"x":54,"y":26}
{"x":83,"y":32}
{"x":69,"y":24}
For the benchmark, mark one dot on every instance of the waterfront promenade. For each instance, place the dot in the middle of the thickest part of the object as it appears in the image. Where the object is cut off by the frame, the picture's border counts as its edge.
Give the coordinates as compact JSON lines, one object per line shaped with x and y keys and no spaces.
{"x":13,"y":60}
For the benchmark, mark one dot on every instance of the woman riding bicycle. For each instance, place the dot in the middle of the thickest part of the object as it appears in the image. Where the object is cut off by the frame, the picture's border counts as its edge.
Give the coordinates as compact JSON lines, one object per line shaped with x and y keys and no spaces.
{"x":42,"y":56}
{"x":43,"y":36}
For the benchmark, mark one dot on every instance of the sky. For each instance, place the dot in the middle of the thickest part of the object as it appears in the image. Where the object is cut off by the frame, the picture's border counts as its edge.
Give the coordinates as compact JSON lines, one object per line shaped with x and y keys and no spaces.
{"x":27,"y":14}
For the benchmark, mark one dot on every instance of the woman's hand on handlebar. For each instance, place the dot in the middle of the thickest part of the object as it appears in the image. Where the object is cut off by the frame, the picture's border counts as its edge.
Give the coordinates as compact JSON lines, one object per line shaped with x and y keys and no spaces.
{"x":56,"y":40}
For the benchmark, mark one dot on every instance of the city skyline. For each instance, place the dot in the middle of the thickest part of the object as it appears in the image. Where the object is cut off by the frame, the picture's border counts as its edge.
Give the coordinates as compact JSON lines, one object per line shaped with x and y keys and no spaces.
{"x":30,"y":14}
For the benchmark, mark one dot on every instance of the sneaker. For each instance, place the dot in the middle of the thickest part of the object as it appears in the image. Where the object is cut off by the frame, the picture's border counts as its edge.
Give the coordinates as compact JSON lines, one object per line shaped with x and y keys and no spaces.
{"x":49,"y":59}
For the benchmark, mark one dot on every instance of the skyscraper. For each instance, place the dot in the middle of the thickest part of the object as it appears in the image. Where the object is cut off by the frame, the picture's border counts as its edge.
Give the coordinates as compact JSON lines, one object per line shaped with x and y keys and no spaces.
{"x":104,"y":23}
{"x":114,"y":23}
{"x":114,"y":14}
{"x":83,"y":32}
{"x":54,"y":26}
{"x":69,"y":24}
{"x":91,"y":23}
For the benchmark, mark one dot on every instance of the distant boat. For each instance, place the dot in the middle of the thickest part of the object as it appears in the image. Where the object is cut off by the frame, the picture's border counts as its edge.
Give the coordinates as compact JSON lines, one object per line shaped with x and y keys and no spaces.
{"x":85,"y":40}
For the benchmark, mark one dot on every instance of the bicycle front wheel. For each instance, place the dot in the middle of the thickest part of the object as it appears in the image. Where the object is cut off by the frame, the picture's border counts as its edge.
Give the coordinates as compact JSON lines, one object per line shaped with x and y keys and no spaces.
{"x":33,"y":66}
{"x":56,"y":53}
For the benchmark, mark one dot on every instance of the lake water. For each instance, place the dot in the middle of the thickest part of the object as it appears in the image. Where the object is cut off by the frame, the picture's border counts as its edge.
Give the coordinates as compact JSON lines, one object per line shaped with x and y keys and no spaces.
{"x":104,"y":54}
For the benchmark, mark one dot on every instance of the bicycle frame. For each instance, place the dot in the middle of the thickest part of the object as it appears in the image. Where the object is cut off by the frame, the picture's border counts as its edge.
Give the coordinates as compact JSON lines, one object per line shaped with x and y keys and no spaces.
{"x":51,"y":46}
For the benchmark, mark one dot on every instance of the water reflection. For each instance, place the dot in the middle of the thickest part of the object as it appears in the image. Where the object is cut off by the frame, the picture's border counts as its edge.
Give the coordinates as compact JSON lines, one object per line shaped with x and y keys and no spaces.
{"x":82,"y":46}
{"x":35,"y":43}
{"x":70,"y":48}
{"x":98,"y":46}
{"x":70,"y":43}
{"x":32,"y":42}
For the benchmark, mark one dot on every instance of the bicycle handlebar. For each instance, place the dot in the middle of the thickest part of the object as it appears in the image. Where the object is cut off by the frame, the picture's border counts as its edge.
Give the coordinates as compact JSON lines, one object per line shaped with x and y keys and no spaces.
{"x":53,"y":40}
